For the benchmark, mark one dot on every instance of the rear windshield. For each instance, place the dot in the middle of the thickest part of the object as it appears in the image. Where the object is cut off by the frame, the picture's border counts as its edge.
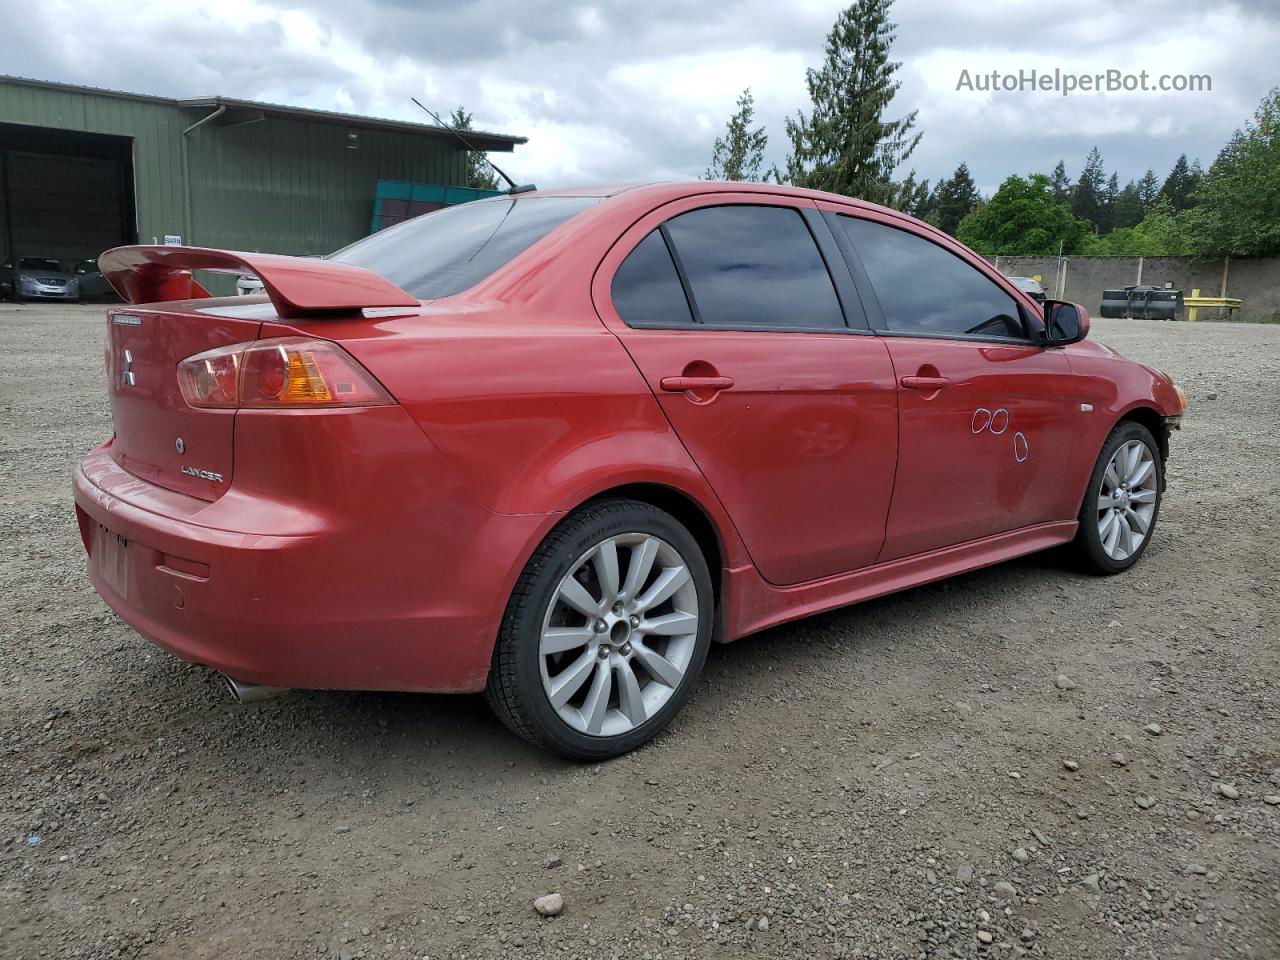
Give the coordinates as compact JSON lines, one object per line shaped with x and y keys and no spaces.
{"x":450,"y":250}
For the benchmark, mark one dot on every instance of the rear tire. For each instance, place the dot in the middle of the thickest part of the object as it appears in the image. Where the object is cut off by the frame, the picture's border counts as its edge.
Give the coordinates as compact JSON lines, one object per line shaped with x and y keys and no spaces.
{"x":1122,"y":502}
{"x":605,"y":634}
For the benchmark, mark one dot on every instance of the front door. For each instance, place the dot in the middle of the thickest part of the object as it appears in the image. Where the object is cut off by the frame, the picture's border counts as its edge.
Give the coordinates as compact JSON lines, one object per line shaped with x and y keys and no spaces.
{"x":985,"y":413}
{"x":789,"y":411}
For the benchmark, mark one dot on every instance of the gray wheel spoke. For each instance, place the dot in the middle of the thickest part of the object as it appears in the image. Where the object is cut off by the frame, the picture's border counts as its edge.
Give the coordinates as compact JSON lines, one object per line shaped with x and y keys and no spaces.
{"x":667,"y":582}
{"x":1137,"y":522}
{"x":671,"y":624}
{"x":630,"y":699}
{"x":659,"y":667}
{"x":577,"y":596}
{"x":1139,"y":475}
{"x":606,"y":564}
{"x":560,"y":639}
{"x":614,"y":672}
{"x":597,"y":702}
{"x":1113,"y":535}
{"x":570,"y":680}
{"x":1133,"y":455}
{"x":1107,"y":522}
{"x":1127,"y":498}
{"x":642,"y":557}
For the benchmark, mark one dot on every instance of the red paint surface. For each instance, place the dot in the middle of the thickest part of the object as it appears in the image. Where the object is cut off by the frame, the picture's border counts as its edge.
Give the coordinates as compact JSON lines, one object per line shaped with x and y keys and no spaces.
{"x":375,"y":548}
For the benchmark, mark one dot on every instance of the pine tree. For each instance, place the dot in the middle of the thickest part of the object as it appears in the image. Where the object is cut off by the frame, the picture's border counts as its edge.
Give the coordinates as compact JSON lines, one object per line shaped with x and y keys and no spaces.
{"x":1107,"y":213}
{"x":1179,"y":185}
{"x":1086,"y":199}
{"x":1128,"y":208}
{"x":1060,"y":183}
{"x":910,"y":196}
{"x":740,"y":152}
{"x":1148,"y":190}
{"x":477,"y":173}
{"x":957,"y":196}
{"x":1194,"y":178}
{"x":845,"y":145}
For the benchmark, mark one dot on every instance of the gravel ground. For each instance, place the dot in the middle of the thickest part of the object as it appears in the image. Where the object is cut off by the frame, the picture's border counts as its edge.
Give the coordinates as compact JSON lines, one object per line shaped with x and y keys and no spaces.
{"x":901,"y":779}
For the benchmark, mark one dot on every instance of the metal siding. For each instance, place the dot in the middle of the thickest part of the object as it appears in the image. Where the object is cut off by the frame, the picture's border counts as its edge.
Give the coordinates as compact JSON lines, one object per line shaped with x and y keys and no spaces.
{"x":278,"y":185}
{"x":153,"y":127}
{"x":288,"y":186}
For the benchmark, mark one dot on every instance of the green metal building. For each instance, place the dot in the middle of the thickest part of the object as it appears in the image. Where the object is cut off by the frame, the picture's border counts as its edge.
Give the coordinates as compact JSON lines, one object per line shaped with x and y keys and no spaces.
{"x":84,"y":169}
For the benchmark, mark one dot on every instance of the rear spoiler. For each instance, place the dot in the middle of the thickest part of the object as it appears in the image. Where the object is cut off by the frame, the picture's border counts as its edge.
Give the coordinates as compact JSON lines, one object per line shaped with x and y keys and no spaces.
{"x":297,"y":286}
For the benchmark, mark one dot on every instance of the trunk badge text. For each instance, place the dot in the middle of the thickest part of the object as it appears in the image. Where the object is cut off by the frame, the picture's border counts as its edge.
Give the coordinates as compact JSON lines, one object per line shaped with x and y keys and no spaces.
{"x":180,"y":445}
{"x":202,"y":474}
{"x":127,"y":319}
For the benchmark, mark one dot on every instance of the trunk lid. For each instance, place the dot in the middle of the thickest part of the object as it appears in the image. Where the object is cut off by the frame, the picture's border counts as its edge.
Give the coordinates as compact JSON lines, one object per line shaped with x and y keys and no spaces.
{"x":158,"y":437}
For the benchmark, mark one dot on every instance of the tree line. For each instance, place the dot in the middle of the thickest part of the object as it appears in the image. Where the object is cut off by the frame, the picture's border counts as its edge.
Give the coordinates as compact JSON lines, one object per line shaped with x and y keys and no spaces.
{"x":845,"y":144}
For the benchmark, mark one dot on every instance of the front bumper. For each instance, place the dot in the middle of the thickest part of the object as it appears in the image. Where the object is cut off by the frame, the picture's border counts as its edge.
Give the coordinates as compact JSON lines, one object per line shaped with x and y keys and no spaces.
{"x":50,"y":293}
{"x":402,"y":595}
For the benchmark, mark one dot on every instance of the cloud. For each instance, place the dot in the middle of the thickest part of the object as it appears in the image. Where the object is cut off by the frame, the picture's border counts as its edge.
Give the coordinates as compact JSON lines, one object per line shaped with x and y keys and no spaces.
{"x":614,"y":90}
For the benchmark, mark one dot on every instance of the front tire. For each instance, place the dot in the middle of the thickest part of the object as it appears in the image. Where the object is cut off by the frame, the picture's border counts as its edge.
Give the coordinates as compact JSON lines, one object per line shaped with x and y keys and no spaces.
{"x":605,"y":634}
{"x":1122,"y":502}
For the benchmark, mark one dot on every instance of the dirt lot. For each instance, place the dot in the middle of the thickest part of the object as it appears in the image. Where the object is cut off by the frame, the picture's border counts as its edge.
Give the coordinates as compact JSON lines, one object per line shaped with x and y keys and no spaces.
{"x":863,"y":784}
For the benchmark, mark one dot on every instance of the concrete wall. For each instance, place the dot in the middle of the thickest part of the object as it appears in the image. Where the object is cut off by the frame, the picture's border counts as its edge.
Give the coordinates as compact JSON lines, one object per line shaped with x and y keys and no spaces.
{"x":1255,"y":281}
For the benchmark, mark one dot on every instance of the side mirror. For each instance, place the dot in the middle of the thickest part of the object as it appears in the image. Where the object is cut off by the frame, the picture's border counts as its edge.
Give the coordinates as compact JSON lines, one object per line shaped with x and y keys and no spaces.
{"x":1064,"y":323}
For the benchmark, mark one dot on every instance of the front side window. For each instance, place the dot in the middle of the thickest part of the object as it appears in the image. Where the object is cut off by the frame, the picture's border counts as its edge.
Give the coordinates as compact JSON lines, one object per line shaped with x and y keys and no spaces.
{"x":448,"y":251}
{"x":754,"y":266}
{"x":925,"y":289}
{"x":646,"y":288}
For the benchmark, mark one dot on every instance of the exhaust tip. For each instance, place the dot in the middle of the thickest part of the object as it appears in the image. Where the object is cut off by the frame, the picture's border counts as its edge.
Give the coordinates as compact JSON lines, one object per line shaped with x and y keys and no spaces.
{"x":251,"y":692}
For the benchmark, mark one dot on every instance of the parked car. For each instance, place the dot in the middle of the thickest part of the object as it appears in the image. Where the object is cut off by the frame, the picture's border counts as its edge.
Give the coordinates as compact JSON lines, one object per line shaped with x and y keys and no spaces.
{"x":550,"y":446}
{"x":1030,"y":286}
{"x":93,"y":285}
{"x":247,"y":285}
{"x":43,"y":278}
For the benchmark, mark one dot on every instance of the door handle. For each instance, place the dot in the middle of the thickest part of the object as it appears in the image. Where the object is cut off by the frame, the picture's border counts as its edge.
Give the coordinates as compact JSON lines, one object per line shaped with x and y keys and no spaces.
{"x":924,"y":383}
{"x":681,"y":384}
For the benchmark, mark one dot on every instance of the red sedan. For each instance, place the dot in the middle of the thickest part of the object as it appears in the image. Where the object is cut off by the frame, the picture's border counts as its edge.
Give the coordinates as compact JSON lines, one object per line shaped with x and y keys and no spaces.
{"x":551,"y":445}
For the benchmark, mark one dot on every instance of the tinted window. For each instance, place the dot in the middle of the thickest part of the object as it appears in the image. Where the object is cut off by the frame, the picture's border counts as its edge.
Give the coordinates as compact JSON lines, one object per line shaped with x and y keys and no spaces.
{"x":754,"y":266}
{"x":923,"y":288}
{"x":443,"y":253}
{"x":646,"y":288}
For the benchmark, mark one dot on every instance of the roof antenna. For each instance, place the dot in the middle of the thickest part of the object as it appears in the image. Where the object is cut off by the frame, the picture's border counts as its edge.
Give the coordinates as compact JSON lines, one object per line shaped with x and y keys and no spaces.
{"x":522,"y":188}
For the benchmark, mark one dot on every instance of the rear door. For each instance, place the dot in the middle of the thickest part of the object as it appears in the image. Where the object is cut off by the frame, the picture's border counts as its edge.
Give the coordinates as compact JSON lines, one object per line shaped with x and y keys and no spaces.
{"x":734,"y":309}
{"x":986,"y":414}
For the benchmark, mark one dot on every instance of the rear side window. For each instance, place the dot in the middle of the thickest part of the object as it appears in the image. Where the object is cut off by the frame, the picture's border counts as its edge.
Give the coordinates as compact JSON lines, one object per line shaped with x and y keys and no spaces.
{"x":646,"y":288}
{"x":754,"y":266}
{"x":448,"y":251}
{"x":925,"y":289}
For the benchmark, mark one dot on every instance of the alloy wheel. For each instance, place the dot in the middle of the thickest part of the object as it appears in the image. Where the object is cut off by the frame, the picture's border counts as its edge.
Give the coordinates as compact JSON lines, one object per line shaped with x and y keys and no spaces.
{"x":619,"y":634}
{"x":1127,"y":499}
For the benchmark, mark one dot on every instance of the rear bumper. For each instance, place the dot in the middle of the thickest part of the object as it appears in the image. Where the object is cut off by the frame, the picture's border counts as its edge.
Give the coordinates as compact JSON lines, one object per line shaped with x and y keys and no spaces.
{"x":401,"y":595}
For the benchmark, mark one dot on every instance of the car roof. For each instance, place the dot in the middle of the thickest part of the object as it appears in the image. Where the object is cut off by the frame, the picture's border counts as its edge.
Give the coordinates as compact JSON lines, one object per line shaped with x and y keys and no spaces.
{"x":659,"y":192}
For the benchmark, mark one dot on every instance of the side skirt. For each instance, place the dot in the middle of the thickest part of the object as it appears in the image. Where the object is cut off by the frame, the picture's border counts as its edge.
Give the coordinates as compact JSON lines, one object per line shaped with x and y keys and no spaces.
{"x":755,"y":604}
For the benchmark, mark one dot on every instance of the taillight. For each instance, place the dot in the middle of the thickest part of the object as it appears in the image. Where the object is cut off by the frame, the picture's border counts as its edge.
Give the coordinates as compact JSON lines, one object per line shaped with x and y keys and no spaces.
{"x":289,"y":372}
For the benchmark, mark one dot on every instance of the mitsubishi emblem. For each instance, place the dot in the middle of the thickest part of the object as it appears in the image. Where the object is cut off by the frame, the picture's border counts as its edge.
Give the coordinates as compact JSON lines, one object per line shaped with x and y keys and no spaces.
{"x":126,"y":374}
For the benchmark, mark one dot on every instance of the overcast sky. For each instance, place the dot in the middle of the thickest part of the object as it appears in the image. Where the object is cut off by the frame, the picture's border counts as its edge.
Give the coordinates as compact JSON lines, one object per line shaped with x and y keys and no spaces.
{"x":639,"y":89}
